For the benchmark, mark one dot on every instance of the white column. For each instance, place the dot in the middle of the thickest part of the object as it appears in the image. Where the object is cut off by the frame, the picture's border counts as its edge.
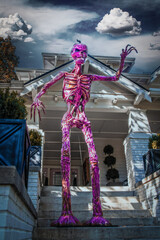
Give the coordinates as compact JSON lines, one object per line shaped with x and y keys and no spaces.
{"x":138,"y":122}
{"x":136,"y":145}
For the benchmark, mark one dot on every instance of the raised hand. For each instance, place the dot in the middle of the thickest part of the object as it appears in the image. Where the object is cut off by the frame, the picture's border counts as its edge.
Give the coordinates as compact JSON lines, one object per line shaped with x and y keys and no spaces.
{"x":124,"y":53}
{"x":127,"y":51}
{"x":39,"y":105}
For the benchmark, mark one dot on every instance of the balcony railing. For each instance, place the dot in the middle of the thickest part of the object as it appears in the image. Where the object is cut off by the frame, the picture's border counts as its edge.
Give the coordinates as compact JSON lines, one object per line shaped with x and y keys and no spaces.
{"x":15,"y":146}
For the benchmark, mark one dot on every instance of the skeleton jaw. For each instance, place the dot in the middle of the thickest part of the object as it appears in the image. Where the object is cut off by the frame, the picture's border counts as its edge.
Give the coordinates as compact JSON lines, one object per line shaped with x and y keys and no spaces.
{"x":80,"y":60}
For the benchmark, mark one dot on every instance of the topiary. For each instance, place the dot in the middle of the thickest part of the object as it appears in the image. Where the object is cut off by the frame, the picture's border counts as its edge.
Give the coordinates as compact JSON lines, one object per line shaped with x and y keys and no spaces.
{"x":112,"y":173}
{"x":108,"y":149}
{"x":12,"y":106}
{"x":35,"y":138}
{"x":109,"y":160}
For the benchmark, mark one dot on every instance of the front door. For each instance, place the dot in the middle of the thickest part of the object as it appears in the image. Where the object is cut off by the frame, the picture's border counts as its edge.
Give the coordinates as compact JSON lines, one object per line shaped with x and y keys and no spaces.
{"x":55,"y":177}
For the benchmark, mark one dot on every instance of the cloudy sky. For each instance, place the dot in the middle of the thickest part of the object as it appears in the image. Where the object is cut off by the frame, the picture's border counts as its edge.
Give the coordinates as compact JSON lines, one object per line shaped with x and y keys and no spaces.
{"x":106,"y":26}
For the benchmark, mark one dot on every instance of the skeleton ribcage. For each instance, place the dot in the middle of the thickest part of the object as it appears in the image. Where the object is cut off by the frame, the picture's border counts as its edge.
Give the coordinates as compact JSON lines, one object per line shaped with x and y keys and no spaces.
{"x":76,"y":89}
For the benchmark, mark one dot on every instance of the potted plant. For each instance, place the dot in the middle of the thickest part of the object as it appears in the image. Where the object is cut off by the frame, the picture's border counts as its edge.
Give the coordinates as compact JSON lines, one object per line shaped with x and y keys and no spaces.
{"x":36,"y":143}
{"x":110,"y":160}
{"x":154,"y":141}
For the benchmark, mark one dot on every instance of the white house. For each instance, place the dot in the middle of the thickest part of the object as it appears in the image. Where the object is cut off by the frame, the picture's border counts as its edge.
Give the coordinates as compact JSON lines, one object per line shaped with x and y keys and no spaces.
{"x":122,"y":114}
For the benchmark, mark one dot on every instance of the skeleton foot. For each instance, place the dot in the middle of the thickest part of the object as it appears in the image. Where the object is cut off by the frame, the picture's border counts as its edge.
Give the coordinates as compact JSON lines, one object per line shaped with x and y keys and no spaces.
{"x":98,"y":221}
{"x":65,"y":220}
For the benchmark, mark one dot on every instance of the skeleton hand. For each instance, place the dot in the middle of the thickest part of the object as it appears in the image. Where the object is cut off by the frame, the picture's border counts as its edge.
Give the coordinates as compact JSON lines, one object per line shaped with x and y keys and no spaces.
{"x":124,"y":53}
{"x":39,"y":105}
{"x":127,"y":51}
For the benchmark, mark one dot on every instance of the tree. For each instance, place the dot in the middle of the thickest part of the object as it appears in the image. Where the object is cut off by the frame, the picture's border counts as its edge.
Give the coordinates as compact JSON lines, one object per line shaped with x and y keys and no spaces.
{"x":12,"y":106}
{"x":8,"y":60}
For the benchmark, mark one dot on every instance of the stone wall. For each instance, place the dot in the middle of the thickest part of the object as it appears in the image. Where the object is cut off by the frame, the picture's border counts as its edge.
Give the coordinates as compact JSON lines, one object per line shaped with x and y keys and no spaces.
{"x":34,"y":185}
{"x":148,"y":191}
{"x":17,"y":213}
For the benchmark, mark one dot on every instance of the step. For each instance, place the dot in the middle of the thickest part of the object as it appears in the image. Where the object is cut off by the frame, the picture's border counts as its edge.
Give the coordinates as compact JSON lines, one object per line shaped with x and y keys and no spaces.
{"x":86,"y":215}
{"x":107,"y":193}
{"x":86,"y":188}
{"x":75,"y":200}
{"x":88,"y":206}
{"x":96,"y":233}
{"x":149,"y":221}
{"x":83,"y":203}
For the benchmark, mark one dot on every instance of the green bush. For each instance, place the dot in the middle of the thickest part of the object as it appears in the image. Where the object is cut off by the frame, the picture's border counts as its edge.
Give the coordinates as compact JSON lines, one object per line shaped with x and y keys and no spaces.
{"x":110,"y":160}
{"x":12,"y":106}
{"x":112,"y":173}
{"x":35,"y":138}
{"x":154,"y":142}
{"x":108,"y":149}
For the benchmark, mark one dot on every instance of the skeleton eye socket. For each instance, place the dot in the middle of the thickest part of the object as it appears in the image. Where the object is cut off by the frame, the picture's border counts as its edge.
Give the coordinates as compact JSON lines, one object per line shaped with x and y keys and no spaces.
{"x":77,"y":50}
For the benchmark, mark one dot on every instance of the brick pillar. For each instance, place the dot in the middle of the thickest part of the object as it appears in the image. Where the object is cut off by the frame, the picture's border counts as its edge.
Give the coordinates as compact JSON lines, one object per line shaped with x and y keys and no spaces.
{"x":136,"y":145}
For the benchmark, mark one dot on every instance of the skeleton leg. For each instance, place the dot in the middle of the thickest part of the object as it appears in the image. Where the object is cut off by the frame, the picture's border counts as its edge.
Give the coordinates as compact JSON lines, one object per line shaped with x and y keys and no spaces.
{"x":97,"y":218}
{"x":66,"y":217}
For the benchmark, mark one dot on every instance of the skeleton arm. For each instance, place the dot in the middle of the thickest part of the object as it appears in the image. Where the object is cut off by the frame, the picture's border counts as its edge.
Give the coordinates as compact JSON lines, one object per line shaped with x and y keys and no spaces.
{"x":36,"y":102}
{"x":124,"y":53}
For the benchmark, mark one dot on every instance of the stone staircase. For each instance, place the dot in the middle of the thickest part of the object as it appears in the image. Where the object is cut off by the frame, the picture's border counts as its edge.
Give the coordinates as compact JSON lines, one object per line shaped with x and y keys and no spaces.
{"x":120,"y":206}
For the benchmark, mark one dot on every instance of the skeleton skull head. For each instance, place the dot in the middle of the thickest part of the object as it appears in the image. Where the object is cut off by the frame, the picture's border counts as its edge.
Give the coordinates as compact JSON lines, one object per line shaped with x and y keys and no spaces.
{"x":79,"y":53}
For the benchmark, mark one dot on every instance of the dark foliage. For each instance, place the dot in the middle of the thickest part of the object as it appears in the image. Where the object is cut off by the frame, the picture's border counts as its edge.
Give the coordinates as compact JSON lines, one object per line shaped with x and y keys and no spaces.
{"x":35,"y":138}
{"x":109,"y":160}
{"x":12,"y":105}
{"x":108,"y":149}
{"x":154,"y":142}
{"x":8,"y":60}
{"x":112,"y":173}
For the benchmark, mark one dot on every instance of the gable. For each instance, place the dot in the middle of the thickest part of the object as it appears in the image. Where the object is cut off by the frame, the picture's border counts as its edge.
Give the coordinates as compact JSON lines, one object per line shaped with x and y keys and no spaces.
{"x":96,"y":67}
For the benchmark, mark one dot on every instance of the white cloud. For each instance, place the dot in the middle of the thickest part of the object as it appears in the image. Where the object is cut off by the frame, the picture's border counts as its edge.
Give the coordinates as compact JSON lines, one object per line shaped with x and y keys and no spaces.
{"x":46,"y":20}
{"x":15,"y":27}
{"x":119,"y":23}
{"x":156,"y":33}
{"x":51,"y":21}
{"x":29,"y":39}
{"x":154,"y":46}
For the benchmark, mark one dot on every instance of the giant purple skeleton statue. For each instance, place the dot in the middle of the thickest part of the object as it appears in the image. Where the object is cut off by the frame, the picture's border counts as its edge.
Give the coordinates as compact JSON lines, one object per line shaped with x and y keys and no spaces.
{"x":76,"y":93}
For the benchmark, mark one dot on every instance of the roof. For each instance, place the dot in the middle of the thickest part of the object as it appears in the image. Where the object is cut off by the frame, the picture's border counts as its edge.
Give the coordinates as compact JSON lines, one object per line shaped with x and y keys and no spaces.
{"x":140,"y":92}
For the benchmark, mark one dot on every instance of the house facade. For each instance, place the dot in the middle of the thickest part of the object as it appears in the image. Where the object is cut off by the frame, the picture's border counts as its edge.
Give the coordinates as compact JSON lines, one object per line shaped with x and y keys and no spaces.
{"x":123,"y":114}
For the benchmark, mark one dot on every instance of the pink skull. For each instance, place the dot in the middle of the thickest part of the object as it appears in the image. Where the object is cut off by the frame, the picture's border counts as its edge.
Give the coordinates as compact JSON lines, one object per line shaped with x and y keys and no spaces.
{"x":79,"y":53}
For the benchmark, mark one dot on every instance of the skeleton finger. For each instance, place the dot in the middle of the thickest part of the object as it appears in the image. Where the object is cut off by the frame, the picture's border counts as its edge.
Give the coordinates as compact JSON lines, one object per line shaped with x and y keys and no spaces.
{"x":131,"y":49}
{"x":31,"y":111}
{"x":126,"y":49}
{"x":43,"y":110}
{"x":39,"y":114}
{"x":43,"y":105}
{"x":34,"y":112}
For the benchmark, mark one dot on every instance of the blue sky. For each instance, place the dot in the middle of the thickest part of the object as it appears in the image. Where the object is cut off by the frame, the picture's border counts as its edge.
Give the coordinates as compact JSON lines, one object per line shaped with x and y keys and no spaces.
{"x":106,"y":26}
